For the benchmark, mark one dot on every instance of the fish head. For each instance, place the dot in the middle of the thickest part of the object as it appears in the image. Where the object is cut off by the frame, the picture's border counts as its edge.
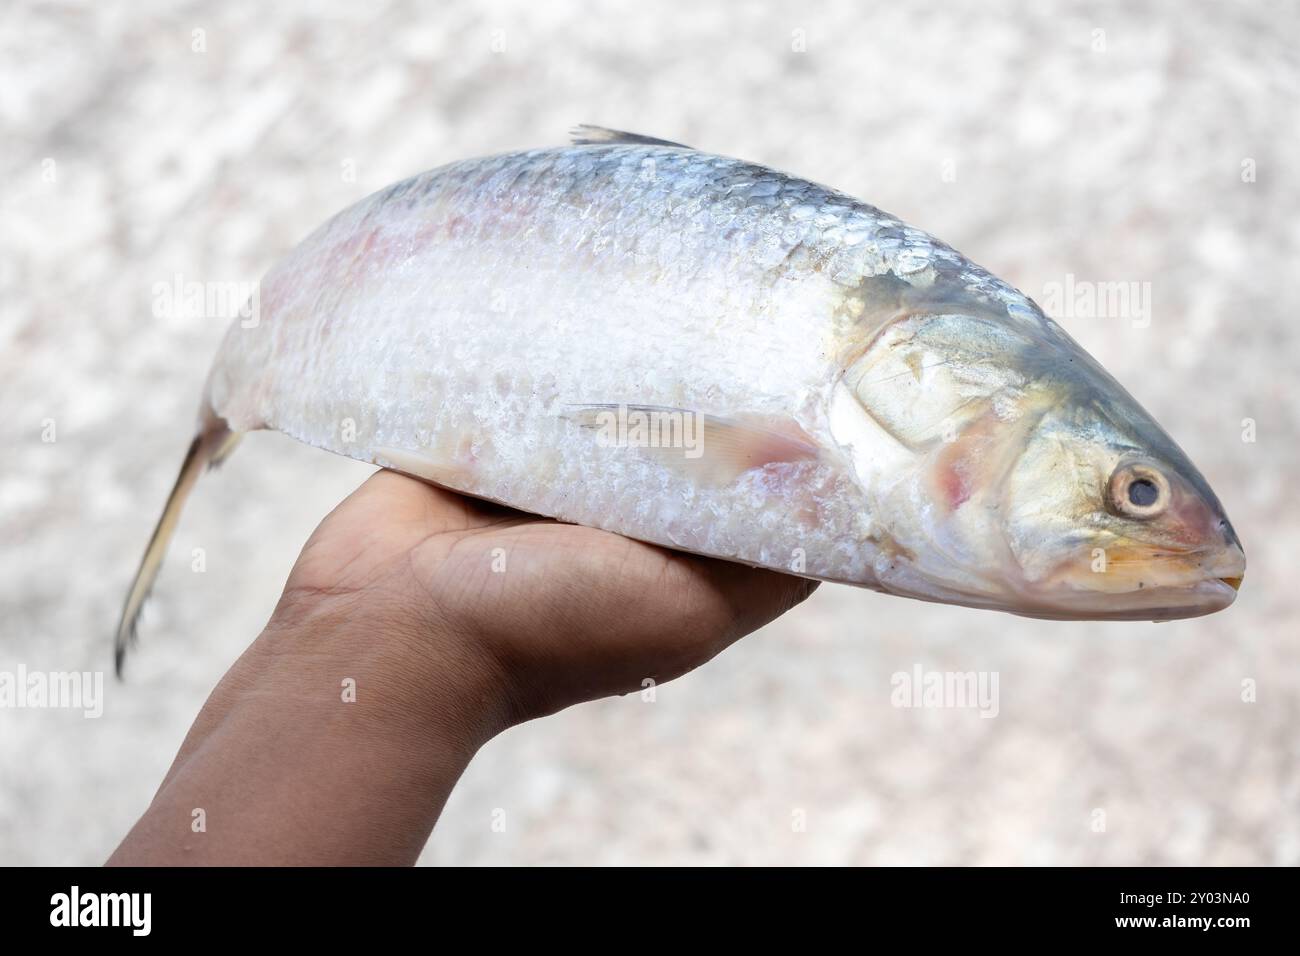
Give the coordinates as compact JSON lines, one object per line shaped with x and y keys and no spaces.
{"x":1104,"y":516}
{"x":1016,"y":473}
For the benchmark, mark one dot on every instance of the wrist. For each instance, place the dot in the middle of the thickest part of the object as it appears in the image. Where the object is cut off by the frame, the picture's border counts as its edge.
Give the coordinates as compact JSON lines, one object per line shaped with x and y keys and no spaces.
{"x":410,"y":677}
{"x":326,"y":743}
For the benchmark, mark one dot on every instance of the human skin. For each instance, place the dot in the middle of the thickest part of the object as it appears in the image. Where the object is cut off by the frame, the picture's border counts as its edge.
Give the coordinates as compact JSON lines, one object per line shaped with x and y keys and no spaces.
{"x":403,"y":591}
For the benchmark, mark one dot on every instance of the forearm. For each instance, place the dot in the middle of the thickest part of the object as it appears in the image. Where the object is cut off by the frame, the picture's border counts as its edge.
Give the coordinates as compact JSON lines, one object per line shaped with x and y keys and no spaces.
{"x":320,"y":747}
{"x":397,"y":595}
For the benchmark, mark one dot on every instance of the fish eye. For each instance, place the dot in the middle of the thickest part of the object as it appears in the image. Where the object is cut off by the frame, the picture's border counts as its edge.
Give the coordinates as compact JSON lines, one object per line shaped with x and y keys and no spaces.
{"x":1138,"y":491}
{"x":1143,"y":492}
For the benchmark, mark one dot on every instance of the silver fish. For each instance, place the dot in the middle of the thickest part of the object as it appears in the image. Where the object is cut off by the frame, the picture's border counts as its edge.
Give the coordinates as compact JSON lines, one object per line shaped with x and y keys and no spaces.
{"x":708,"y":354}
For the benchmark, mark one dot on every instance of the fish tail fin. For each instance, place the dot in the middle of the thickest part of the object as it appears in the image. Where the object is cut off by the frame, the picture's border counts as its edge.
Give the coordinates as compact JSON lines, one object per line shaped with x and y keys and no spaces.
{"x":213,"y":443}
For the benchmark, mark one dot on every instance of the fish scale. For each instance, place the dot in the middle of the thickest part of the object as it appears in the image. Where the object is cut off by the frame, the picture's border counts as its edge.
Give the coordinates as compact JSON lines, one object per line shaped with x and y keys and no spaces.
{"x":478,"y":325}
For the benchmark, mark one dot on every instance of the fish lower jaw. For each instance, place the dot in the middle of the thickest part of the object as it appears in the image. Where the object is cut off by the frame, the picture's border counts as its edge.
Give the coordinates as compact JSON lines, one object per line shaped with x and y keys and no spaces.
{"x":1170,"y":603}
{"x":1062,"y":601}
{"x":1161,"y":587}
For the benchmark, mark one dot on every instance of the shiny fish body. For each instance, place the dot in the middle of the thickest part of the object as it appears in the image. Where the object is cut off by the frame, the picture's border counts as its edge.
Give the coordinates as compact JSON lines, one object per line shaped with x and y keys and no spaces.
{"x":510,"y":289}
{"x":863,"y":395}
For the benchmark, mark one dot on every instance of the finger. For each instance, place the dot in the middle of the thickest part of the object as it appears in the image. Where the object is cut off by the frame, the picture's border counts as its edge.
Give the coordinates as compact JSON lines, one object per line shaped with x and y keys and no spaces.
{"x":754,"y":596}
{"x":387,"y":497}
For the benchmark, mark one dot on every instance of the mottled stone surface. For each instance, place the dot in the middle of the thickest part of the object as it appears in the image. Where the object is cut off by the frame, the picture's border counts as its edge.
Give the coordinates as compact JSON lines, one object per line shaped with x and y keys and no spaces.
{"x":1047,"y":151}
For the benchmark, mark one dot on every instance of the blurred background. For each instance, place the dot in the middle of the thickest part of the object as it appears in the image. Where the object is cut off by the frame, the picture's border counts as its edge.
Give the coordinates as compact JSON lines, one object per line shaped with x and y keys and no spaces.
{"x":1112,"y":142}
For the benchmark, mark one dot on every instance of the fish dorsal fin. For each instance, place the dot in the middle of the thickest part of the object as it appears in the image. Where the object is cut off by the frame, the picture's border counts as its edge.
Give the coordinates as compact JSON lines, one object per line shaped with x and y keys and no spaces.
{"x":586,"y":135}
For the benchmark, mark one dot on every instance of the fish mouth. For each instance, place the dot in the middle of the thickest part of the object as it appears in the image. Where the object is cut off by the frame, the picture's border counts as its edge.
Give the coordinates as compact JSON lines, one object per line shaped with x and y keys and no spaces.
{"x":1142,"y":585}
{"x":1148,"y":604}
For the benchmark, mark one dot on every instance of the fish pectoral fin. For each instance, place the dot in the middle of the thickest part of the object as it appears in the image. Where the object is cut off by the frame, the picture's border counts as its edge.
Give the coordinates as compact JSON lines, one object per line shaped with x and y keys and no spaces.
{"x":709,"y":449}
{"x":586,"y":135}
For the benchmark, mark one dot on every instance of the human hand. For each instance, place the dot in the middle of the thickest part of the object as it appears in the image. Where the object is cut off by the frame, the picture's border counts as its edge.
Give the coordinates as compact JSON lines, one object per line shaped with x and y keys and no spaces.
{"x":537,"y":614}
{"x":449,"y":620}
